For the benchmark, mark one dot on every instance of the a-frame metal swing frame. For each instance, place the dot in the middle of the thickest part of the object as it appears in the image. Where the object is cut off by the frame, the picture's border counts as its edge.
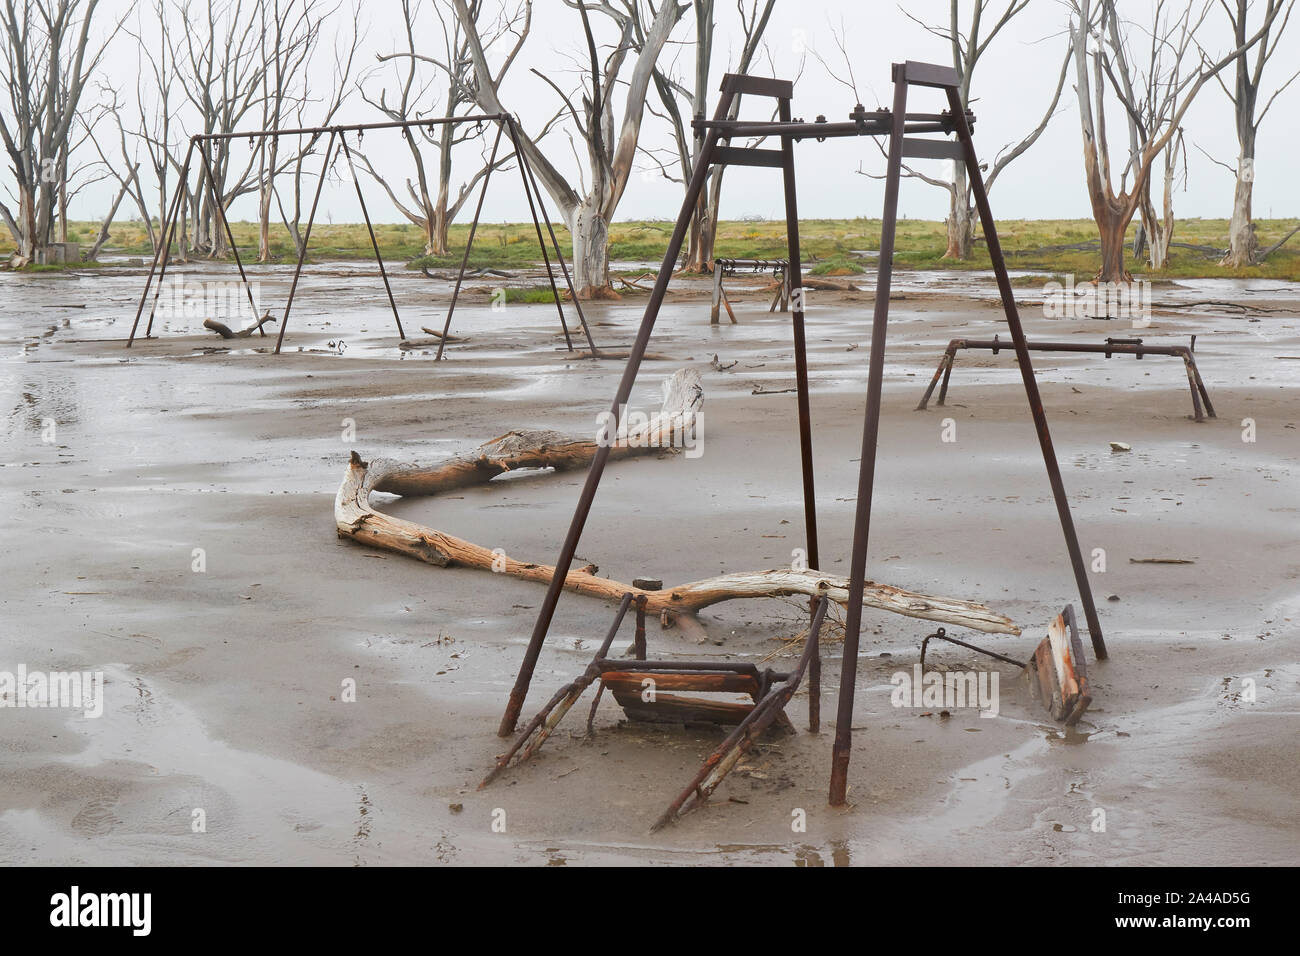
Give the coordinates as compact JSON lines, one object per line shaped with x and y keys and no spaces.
{"x":505,"y":124}
{"x":901,"y":128}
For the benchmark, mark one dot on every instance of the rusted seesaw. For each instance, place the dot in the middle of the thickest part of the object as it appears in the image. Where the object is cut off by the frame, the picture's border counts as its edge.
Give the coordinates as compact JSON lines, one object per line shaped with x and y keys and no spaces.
{"x":636,"y":685}
{"x":1112,"y":346}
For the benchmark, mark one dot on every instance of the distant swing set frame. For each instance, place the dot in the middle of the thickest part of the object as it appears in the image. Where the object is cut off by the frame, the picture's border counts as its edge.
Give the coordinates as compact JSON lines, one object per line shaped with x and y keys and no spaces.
{"x":505,"y":123}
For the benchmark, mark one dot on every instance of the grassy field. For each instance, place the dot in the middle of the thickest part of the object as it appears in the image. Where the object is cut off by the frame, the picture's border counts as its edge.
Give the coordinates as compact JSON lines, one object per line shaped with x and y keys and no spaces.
{"x":832,"y":245}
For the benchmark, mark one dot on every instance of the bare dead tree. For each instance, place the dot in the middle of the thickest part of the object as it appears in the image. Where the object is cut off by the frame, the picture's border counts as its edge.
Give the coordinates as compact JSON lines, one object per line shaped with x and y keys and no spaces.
{"x":44,"y":66}
{"x":673,"y":93}
{"x":218,"y":67}
{"x":1243,"y":245}
{"x":1146,"y":103}
{"x":609,"y":157}
{"x":507,"y":28}
{"x":291,"y":52}
{"x":290,"y":33}
{"x":124,"y":168}
{"x":1102,"y":63}
{"x":154,"y":125}
{"x":968,"y":45}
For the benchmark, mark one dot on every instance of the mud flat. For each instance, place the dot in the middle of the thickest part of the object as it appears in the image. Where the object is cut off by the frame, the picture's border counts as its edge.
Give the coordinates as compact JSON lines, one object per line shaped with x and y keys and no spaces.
{"x":225,"y":687}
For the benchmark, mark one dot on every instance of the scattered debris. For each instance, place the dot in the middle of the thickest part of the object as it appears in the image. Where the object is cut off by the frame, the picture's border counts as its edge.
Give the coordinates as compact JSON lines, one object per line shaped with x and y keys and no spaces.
{"x":1057,"y":672}
{"x":635,"y":281}
{"x":637,"y":687}
{"x":437,"y":338}
{"x":225,"y":332}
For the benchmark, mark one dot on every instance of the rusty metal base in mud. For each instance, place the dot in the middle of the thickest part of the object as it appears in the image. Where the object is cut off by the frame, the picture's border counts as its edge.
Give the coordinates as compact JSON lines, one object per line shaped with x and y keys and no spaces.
{"x":1057,"y":671}
{"x":1112,"y":346}
{"x":637,"y":685}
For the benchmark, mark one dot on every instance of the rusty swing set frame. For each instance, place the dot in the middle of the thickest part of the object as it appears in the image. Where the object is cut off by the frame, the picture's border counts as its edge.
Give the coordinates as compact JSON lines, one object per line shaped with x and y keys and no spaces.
{"x":902,"y":129}
{"x":505,"y":123}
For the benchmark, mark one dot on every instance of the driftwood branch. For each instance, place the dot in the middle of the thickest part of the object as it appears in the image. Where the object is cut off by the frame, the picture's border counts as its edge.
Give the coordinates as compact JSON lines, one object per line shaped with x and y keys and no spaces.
{"x":356,"y":518}
{"x":437,"y":338}
{"x":226,"y":332}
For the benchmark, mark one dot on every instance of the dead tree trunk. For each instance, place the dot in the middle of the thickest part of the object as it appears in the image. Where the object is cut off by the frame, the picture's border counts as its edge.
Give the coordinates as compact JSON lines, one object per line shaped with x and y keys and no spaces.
{"x":1243,"y":246}
{"x":961,"y":222}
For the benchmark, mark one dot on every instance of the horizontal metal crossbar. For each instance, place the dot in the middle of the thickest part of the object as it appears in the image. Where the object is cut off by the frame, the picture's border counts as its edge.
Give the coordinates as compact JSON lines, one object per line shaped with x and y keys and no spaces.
{"x":354,"y":127}
{"x":877,"y":123}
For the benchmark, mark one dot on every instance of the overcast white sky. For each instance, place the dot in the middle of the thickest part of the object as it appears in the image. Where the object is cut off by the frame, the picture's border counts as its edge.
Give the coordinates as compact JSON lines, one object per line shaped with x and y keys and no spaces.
{"x":1012,"y":86}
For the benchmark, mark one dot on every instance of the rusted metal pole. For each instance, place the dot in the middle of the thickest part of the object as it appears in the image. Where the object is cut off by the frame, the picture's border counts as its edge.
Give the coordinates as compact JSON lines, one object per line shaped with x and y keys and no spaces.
{"x":588,"y":495}
{"x":356,"y":181}
{"x":230,"y":237}
{"x":942,"y":635}
{"x":1027,"y":372}
{"x":306,"y":238}
{"x":638,"y":643}
{"x":815,"y":675}
{"x":878,"y":125}
{"x":572,"y":690}
{"x":794,"y":278}
{"x":867,"y":470}
{"x":469,"y":244}
{"x":717,"y":292}
{"x":943,"y":369}
{"x":800,"y":344}
{"x":541,"y":243}
{"x":165,"y":233}
{"x":559,"y":256}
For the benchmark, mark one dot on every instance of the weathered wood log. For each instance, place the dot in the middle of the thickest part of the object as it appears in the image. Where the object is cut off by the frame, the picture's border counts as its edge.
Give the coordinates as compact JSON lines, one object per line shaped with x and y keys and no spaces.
{"x":683,"y":398}
{"x":670,"y":427}
{"x":436,"y":338}
{"x":355,"y":518}
{"x":226,"y":332}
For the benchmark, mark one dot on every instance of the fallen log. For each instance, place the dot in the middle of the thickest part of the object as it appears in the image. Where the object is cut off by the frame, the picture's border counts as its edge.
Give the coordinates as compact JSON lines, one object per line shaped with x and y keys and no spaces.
{"x":436,"y":338}
{"x":226,"y":332}
{"x":356,"y":518}
{"x":515,"y":450}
